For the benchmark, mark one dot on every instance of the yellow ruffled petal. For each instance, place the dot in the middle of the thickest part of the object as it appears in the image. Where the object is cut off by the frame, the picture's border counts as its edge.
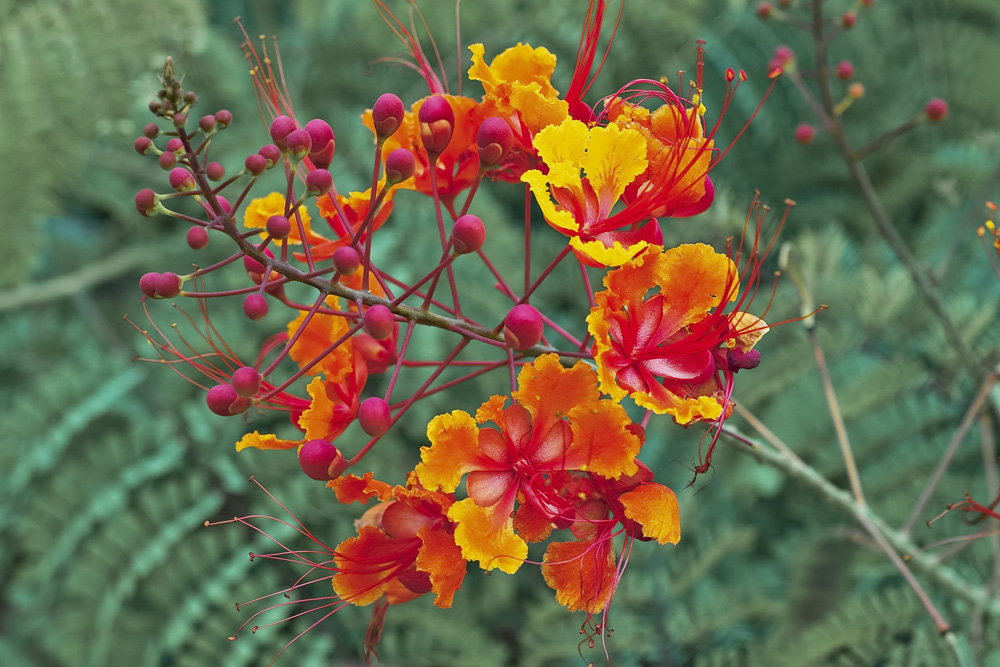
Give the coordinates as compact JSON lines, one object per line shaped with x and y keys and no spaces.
{"x":454,"y":446}
{"x":614,"y":158}
{"x":601,"y":437}
{"x":265,"y":441}
{"x":683,"y":410}
{"x":654,"y":507}
{"x":566,"y":142}
{"x":539,"y":184}
{"x":549,"y":391}
{"x":262,"y":208}
{"x":616,"y":255}
{"x":487,"y":538}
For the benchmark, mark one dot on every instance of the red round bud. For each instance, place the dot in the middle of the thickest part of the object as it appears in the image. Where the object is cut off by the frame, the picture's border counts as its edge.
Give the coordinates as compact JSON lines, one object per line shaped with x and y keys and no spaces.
{"x":495,"y":140}
{"x":182,"y":180}
{"x":255,"y":164}
{"x":179,"y":119}
{"x":374,"y":416}
{"x":936,"y":110}
{"x":246,"y":381}
{"x":255,"y":306}
{"x":168,"y":285}
{"x":805,"y":133}
{"x":223,"y":117}
{"x":737,"y":361}
{"x":299,"y":143}
{"x":191,"y":97}
{"x":399,"y":166}
{"x":523,"y":327}
{"x":151,"y":130}
{"x":154,"y":106}
{"x":143,"y":146}
{"x":197,"y":238}
{"x":437,"y":122}
{"x":378,"y":321}
{"x":387,"y":115}
{"x":167,"y":160}
{"x":207,"y":123}
{"x":320,"y":460}
{"x":215,"y":171}
{"x":848,"y":20}
{"x":146,"y":202}
{"x":346,"y":260}
{"x":147,"y":283}
{"x":468,"y":234}
{"x":845,"y":70}
{"x":278,"y":226}
{"x":280,"y":128}
{"x":319,"y":182}
{"x":223,"y":400}
{"x":783,"y":55}
{"x":271,"y":153}
{"x":764,"y":10}
{"x":323,"y":143}
{"x":174,"y":145}
{"x":224,"y":204}
{"x":253,"y":266}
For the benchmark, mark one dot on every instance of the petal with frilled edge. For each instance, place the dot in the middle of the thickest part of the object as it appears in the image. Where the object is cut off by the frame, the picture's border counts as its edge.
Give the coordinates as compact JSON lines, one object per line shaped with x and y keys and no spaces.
{"x":549,"y":391}
{"x":442,"y":559}
{"x":614,"y":158}
{"x":368,"y":562}
{"x":454,"y":451}
{"x":486,"y":534}
{"x":265,"y":441}
{"x":654,"y":507}
{"x":582,"y":574}
{"x":351,"y":489}
{"x":602,"y":441}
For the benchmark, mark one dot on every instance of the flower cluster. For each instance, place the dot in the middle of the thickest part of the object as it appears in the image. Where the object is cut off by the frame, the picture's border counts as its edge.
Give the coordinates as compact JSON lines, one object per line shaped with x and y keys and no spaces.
{"x":556,"y":457}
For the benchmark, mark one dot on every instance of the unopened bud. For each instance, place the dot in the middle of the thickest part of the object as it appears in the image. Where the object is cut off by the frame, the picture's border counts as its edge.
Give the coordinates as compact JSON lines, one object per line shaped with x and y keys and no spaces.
{"x":848,"y":20}
{"x":320,"y":460}
{"x":323,"y":143}
{"x":180,"y":119}
{"x":191,"y":97}
{"x":168,"y":285}
{"x":143,"y":146}
{"x":255,"y":306}
{"x":319,"y":182}
{"x":346,"y":260}
{"x":387,"y":115}
{"x":151,"y":130}
{"x":936,"y":110}
{"x":182,"y":180}
{"x":378,"y":321}
{"x":495,"y":140}
{"x":147,"y":283}
{"x":197,"y":238}
{"x":764,"y":10}
{"x":523,"y":327}
{"x":223,"y":117}
{"x":737,"y":361}
{"x":246,"y":381}
{"x":255,"y":164}
{"x":281,"y":127}
{"x":845,"y":70}
{"x":223,"y":400}
{"x":253,"y":266}
{"x":271,"y":153}
{"x":167,"y":160}
{"x":174,"y":145}
{"x":215,"y":171}
{"x":437,"y":122}
{"x":805,"y":133}
{"x":374,"y":416}
{"x":278,"y":226}
{"x":468,"y":234}
{"x":145,"y":202}
{"x":399,"y":166}
{"x":298,"y":143}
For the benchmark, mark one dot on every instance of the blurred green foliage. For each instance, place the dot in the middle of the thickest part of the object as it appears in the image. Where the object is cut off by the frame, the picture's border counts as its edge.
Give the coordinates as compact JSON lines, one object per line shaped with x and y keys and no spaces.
{"x":109,"y":467}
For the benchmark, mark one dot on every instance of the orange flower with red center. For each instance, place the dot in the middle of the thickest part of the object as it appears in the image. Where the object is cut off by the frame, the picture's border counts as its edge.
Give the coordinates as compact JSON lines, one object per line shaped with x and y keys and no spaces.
{"x":668,"y":349}
{"x":558,"y":423}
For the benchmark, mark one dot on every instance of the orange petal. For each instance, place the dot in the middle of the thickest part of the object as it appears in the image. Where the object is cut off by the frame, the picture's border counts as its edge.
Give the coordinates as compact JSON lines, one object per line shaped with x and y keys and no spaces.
{"x":454,"y":451}
{"x":487,"y":536}
{"x":324,"y":419}
{"x":259,"y":210}
{"x":550,"y":391}
{"x":442,"y":559}
{"x":530,"y":524}
{"x":602,"y":440}
{"x":654,"y":507}
{"x":367,"y":563}
{"x":351,"y":489}
{"x":582,"y":574}
{"x":314,"y":341}
{"x":265,"y":441}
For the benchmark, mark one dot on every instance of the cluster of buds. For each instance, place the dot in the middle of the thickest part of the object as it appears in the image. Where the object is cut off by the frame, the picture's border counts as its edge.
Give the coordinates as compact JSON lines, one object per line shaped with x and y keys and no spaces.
{"x":554,"y":451}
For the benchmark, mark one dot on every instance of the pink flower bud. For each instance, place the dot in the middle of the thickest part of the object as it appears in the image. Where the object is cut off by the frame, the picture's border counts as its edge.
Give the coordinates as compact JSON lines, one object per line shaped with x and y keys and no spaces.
{"x":278,"y":226}
{"x":323,"y":143}
{"x":215,"y":171}
{"x":399,"y":166}
{"x":320,"y":460}
{"x":246,"y":381}
{"x":253,"y":266}
{"x":167,"y":161}
{"x":255,"y":164}
{"x":764,"y":10}
{"x":374,"y":416}
{"x":805,"y":133}
{"x":495,"y":140}
{"x":197,"y":238}
{"x":207,"y":123}
{"x":468,"y":234}
{"x":271,"y":153}
{"x":180,"y":119}
{"x":318,"y":182}
{"x":298,"y":143}
{"x":387,"y":115}
{"x":151,"y":130}
{"x":182,"y":180}
{"x":848,"y":20}
{"x":437,"y":122}
{"x":737,"y":361}
{"x":174,"y":145}
{"x":783,"y":55}
{"x":845,"y":70}
{"x":168,"y":285}
{"x":378,"y":321}
{"x":223,"y":400}
{"x":255,"y":306}
{"x":346,"y":260}
{"x":143,"y":145}
{"x":281,"y":127}
{"x":223,"y":117}
{"x":148,"y":283}
{"x":523,"y":327}
{"x":936,"y":110}
{"x":146,"y":202}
